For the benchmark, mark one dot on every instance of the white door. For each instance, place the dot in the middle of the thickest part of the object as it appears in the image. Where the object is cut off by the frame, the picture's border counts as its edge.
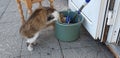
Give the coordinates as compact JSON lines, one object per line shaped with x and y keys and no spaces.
{"x":94,"y":13}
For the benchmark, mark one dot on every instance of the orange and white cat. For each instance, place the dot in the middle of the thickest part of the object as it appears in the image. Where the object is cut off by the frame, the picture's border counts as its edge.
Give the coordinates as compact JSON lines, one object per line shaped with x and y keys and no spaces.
{"x":40,"y":19}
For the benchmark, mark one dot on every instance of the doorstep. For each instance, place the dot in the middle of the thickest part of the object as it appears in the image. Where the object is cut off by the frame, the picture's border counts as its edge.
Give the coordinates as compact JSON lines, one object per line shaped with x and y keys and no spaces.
{"x":115,"y":49}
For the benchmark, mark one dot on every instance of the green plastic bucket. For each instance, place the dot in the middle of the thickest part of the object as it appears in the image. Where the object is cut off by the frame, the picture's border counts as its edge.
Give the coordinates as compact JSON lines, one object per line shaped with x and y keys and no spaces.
{"x":68,"y":32}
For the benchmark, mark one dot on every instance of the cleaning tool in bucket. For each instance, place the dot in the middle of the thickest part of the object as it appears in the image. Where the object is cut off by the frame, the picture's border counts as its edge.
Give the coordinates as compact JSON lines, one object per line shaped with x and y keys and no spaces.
{"x":68,"y":17}
{"x":73,"y":20}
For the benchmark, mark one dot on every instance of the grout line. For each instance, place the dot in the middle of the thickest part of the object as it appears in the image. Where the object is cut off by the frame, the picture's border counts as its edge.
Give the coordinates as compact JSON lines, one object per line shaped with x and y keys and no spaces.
{"x":61,"y":49}
{"x":5,"y":9}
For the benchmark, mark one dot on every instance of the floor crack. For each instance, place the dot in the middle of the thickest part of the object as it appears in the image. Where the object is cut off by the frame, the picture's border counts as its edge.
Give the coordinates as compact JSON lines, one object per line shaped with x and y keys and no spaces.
{"x":61,"y":49}
{"x":5,"y":8}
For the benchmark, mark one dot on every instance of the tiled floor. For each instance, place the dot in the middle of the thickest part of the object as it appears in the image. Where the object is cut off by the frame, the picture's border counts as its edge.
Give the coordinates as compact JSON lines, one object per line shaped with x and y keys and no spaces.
{"x":12,"y":46}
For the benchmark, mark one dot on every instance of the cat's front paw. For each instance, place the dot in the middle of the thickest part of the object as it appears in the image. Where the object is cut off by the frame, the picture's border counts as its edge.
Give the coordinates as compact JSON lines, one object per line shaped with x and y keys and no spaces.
{"x":30,"y":48}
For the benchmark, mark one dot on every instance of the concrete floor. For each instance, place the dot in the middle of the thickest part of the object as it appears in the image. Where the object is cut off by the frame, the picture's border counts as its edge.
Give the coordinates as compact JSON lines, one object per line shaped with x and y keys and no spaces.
{"x":13,"y":46}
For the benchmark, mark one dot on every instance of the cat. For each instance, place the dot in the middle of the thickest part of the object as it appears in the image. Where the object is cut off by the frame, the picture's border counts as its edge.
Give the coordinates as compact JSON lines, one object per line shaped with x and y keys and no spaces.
{"x":41,"y":18}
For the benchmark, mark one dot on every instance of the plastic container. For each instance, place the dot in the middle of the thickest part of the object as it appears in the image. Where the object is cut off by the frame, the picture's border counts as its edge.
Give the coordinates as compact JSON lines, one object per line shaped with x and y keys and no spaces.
{"x":68,"y":32}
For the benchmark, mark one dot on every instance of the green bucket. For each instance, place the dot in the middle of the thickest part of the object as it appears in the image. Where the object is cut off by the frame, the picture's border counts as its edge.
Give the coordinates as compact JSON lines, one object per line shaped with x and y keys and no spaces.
{"x":68,"y":32}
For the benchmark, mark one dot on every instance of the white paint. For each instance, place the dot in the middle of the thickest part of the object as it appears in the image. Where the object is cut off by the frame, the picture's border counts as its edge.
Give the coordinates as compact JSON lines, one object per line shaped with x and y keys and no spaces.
{"x":109,"y":22}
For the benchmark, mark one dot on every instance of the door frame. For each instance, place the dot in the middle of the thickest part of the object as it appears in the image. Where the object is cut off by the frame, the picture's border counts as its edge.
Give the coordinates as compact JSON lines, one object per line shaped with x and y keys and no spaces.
{"x":102,"y":27}
{"x":113,"y":30}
